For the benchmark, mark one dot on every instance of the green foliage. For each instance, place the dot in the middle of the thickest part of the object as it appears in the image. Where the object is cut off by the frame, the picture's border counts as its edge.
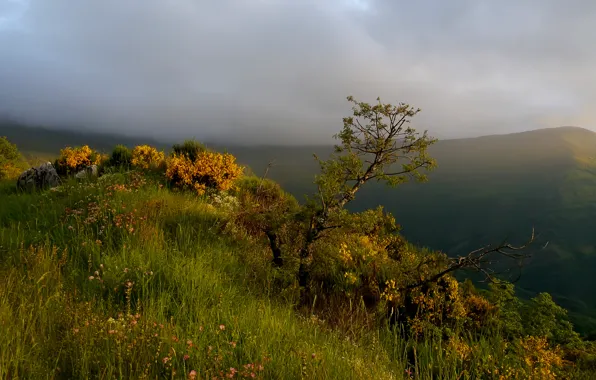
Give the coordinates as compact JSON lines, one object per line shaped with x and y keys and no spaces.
{"x":121,"y":157}
{"x":544,"y":318}
{"x":189,"y":148}
{"x":508,"y":317}
{"x":376,"y":143}
{"x":11,"y":161}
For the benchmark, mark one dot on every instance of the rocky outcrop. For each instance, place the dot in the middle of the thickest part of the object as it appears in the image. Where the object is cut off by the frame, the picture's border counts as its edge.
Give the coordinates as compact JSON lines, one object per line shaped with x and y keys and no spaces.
{"x":87,"y":172}
{"x":42,"y":177}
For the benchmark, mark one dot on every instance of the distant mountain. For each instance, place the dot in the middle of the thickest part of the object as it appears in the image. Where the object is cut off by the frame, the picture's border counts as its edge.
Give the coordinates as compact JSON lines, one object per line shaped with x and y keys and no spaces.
{"x":46,"y":143}
{"x":484,"y":190}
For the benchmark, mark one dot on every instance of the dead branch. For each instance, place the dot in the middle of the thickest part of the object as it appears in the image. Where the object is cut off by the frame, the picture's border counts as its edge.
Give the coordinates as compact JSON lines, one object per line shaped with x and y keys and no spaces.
{"x":478,"y":260}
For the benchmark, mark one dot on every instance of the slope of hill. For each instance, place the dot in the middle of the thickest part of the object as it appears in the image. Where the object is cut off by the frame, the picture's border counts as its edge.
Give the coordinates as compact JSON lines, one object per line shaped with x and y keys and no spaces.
{"x":484,"y":190}
{"x":122,"y":277}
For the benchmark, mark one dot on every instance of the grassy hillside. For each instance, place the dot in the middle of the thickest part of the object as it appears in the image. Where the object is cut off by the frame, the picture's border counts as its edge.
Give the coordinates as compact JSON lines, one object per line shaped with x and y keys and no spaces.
{"x":484,"y":190}
{"x":138,"y":298}
{"x":129,"y":276}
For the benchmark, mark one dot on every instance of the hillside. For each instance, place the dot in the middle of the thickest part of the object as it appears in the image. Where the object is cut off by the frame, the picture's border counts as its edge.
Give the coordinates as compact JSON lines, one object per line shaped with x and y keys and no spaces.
{"x":147,"y":271}
{"x":484,"y":190}
{"x":487,"y":189}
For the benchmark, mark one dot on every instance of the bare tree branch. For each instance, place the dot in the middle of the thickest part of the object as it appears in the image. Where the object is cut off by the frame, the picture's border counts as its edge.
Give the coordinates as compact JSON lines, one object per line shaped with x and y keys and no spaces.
{"x":476,"y":260}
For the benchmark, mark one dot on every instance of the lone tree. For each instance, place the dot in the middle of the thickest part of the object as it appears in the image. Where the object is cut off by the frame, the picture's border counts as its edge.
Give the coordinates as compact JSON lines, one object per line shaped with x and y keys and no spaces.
{"x":376,"y":143}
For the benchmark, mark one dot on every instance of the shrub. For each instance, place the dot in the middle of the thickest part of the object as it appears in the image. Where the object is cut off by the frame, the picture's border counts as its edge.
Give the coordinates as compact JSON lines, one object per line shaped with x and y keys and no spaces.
{"x":11,"y":162}
{"x":146,"y":157}
{"x":121,"y":157}
{"x":209,"y":170}
{"x":77,"y":158}
{"x":189,"y":148}
{"x":265,"y":206}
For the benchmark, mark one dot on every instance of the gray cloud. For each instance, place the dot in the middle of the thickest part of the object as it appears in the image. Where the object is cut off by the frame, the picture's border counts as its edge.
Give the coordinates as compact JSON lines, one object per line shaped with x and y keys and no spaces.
{"x":279,"y":71}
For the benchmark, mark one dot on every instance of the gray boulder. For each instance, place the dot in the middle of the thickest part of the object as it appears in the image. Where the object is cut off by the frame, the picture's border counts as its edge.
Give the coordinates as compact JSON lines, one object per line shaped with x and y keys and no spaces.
{"x":42,"y":177}
{"x":86,"y":172}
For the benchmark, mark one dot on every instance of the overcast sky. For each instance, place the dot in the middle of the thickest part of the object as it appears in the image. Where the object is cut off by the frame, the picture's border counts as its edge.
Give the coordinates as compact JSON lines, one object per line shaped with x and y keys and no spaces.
{"x":279,"y":71}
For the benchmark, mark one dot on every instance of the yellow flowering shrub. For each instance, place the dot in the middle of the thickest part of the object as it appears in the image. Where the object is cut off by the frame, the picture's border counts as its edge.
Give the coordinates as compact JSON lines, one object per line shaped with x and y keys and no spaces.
{"x":437,"y":305}
{"x":539,"y":359}
{"x":74,"y":159}
{"x":146,"y":156}
{"x":11,"y":161}
{"x":9,"y":170}
{"x":478,"y":310}
{"x":460,"y":349}
{"x":209,"y":170}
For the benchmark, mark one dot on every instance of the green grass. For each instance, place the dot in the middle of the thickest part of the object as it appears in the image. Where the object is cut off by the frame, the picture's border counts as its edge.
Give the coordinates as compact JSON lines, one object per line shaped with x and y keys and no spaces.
{"x":200,"y":280}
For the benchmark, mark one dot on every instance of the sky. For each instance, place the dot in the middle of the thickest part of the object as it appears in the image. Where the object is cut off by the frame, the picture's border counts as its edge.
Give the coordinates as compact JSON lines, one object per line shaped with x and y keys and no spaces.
{"x":279,"y":71}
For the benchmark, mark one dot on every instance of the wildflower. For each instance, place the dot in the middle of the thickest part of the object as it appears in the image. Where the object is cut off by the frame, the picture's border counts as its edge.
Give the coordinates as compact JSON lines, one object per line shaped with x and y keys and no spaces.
{"x":91,"y":278}
{"x":165,"y":360}
{"x":192,"y":374}
{"x":125,"y":270}
{"x":75,"y":330}
{"x":111,"y":331}
{"x":189,"y":343}
{"x":222,"y":327}
{"x":200,"y":328}
{"x":313,"y":355}
{"x":96,"y":273}
{"x":186,"y":357}
{"x":233,"y":344}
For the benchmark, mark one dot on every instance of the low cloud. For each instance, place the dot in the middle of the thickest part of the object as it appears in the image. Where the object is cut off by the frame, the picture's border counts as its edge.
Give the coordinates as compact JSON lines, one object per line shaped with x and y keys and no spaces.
{"x":274,"y":71}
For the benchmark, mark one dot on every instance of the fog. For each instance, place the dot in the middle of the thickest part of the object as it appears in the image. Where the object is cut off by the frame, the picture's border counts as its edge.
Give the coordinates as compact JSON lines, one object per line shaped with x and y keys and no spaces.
{"x":267,"y":71}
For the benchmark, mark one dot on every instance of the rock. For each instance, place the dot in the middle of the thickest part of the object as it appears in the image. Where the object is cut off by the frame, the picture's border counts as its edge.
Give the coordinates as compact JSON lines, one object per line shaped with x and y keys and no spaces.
{"x":88,"y":171}
{"x":41,"y":177}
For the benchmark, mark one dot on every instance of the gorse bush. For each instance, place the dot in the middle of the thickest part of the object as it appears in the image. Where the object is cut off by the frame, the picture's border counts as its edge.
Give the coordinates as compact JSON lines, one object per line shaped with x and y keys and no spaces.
{"x":72,"y":160}
{"x":146,"y":157}
{"x":11,"y":161}
{"x":209,"y":170}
